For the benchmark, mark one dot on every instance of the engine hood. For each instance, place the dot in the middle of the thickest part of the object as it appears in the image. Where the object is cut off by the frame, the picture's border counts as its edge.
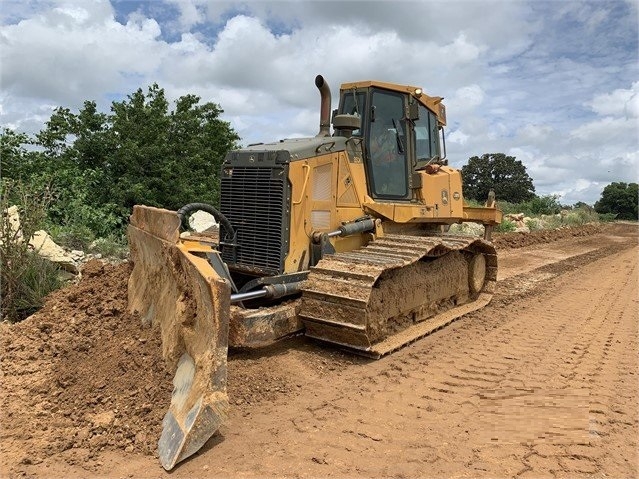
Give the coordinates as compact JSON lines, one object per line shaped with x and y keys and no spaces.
{"x":288,"y":150}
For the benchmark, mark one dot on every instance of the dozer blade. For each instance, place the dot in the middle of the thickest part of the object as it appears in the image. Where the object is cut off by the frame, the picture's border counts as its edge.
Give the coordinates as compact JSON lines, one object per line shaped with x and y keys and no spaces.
{"x":181,"y":294}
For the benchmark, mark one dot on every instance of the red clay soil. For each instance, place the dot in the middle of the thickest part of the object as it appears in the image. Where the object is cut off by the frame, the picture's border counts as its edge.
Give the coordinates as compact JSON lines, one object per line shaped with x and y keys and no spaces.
{"x":81,"y":377}
{"x":82,"y":374}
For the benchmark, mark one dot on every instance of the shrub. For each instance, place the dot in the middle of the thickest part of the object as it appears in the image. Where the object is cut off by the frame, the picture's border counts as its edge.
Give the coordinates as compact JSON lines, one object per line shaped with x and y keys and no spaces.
{"x":26,"y":278}
{"x":534,"y":224}
{"x":580,"y":216}
{"x":506,"y":226}
{"x":607,"y":217}
{"x":110,"y":247}
{"x":72,"y":236}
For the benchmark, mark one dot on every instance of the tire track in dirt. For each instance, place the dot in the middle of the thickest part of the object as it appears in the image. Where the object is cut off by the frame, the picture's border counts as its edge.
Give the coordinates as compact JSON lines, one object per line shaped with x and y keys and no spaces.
{"x":511,"y":390}
{"x":534,"y":381}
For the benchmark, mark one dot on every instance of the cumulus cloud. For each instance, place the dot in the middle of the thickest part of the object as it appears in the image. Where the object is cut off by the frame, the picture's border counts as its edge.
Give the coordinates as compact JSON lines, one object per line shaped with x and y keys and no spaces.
{"x":521,"y":80}
{"x":620,"y":102}
{"x":466,"y":99}
{"x":75,"y":49}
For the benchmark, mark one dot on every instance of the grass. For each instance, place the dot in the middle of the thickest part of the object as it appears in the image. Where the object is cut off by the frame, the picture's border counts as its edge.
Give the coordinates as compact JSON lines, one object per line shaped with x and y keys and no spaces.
{"x":25,"y":277}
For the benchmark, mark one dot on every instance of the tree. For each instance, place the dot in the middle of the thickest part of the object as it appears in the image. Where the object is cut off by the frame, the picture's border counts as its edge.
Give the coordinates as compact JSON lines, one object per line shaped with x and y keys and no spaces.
{"x":143,"y":152}
{"x":16,"y":161}
{"x":620,"y":199}
{"x":505,"y":175}
{"x":581,"y":205}
{"x":167,"y":158}
{"x":544,"y":205}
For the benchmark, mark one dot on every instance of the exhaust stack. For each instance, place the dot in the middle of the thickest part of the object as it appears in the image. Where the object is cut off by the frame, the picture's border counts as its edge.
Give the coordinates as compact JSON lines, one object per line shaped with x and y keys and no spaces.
{"x":325,"y":106}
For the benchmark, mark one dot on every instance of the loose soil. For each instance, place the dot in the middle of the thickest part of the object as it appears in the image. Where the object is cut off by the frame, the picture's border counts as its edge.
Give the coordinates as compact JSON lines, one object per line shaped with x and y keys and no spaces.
{"x":543,"y":382}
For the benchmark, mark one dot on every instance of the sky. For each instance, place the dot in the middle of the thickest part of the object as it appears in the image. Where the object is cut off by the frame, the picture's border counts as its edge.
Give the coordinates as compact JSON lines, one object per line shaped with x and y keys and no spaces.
{"x":553,"y":83}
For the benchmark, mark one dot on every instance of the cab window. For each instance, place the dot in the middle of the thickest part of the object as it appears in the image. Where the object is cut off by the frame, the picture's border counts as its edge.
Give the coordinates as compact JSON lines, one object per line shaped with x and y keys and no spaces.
{"x":386,"y":146}
{"x":426,"y":135}
{"x":354,"y":103}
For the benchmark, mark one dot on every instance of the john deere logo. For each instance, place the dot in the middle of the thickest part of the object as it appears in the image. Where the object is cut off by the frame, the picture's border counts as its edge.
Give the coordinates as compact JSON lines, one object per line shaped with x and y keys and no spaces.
{"x":445,"y":197}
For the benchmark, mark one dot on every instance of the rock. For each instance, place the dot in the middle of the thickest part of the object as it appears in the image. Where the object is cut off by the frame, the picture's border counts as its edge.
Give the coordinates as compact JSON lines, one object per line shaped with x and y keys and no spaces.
{"x":77,"y":255}
{"x":102,"y":419}
{"x":471,"y":229}
{"x":42,"y":244}
{"x":201,"y":221}
{"x":516,"y":217}
{"x":14,"y":221}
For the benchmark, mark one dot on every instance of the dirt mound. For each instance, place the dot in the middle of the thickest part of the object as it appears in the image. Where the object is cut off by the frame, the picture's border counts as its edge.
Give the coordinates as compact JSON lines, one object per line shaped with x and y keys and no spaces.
{"x":82,"y":374}
{"x":520,"y":239}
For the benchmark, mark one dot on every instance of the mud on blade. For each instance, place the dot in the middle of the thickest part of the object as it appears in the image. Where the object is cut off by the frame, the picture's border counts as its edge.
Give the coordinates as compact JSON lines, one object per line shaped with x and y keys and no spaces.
{"x":179,"y":293}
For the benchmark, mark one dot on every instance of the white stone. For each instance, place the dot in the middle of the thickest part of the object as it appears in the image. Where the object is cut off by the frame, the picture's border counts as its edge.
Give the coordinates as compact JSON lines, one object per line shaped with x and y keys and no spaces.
{"x":77,"y":254}
{"x":14,"y":222}
{"x":43,"y":245}
{"x":470,"y":229}
{"x":201,"y":221}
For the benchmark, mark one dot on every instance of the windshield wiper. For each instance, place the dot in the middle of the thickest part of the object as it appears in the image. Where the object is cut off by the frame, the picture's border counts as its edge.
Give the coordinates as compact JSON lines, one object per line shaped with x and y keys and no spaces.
{"x":400,"y":143}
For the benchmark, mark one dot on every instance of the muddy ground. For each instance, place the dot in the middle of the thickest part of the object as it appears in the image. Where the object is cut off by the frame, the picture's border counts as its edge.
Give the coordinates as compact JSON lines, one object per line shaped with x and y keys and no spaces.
{"x":543,"y":382}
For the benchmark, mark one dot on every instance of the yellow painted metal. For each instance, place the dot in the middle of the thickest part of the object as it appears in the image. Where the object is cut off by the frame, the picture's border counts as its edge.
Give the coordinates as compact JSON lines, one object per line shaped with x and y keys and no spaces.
{"x":330,"y":188}
{"x":433,"y":103}
{"x":439,"y":200}
{"x":181,"y":295}
{"x":485,"y":215}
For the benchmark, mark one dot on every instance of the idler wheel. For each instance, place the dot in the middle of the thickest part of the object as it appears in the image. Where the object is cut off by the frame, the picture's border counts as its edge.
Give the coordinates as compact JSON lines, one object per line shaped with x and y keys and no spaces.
{"x":477,"y":273}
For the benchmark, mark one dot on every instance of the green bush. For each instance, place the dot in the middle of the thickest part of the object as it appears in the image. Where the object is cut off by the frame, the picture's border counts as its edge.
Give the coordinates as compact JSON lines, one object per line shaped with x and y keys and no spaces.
{"x":71,"y":236}
{"x":506,"y":226}
{"x":542,"y":205}
{"x":580,"y":216}
{"x":110,"y":247}
{"x":551,"y":222}
{"x":607,"y":217}
{"x":509,"y":208}
{"x":26,"y":278}
{"x":473,"y":203}
{"x":534,"y":224}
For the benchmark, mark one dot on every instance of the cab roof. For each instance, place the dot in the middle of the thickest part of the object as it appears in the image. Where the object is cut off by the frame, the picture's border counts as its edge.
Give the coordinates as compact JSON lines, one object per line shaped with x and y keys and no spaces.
{"x":433,"y":103}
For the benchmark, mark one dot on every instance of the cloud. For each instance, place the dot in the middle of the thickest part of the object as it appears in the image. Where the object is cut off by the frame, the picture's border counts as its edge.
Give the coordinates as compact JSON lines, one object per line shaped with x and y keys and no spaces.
{"x":554,"y":83}
{"x":620,"y":102}
{"x":75,"y":50}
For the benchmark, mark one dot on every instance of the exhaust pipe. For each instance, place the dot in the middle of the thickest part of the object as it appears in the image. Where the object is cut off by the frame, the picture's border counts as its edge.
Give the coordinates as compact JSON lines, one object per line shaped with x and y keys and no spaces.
{"x":325,"y":106}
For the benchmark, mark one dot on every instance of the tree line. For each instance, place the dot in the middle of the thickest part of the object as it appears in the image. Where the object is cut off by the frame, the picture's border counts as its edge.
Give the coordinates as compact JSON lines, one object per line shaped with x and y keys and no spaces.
{"x":508,"y":177}
{"x":95,"y":166}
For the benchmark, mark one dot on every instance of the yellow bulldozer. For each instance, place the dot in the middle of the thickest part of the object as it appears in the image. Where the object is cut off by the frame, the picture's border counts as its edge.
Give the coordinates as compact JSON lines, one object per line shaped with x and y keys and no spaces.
{"x":342,"y":237}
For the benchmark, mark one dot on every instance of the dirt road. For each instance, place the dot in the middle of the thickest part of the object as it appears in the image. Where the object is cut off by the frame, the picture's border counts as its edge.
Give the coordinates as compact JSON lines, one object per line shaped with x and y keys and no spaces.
{"x":544,"y":382}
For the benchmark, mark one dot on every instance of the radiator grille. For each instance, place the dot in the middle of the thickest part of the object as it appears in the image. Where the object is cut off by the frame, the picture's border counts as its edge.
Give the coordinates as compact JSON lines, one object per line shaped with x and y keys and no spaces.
{"x":254,"y":201}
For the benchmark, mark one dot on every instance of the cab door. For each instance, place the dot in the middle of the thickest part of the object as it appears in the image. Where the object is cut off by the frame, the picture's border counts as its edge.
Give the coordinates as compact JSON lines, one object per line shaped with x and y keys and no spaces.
{"x":386,"y":146}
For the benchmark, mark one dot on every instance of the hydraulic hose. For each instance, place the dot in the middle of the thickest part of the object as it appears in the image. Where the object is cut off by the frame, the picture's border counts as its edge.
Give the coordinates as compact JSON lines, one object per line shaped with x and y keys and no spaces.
{"x":184,"y":212}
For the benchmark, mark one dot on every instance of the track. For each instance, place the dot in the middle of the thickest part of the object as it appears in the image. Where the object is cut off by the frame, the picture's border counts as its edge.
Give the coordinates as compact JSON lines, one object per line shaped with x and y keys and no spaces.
{"x":543,"y":382}
{"x":395,"y":290}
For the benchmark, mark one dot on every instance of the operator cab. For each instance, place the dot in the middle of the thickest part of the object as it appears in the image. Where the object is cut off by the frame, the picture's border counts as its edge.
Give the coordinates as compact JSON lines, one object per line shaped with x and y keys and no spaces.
{"x":398,"y":131}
